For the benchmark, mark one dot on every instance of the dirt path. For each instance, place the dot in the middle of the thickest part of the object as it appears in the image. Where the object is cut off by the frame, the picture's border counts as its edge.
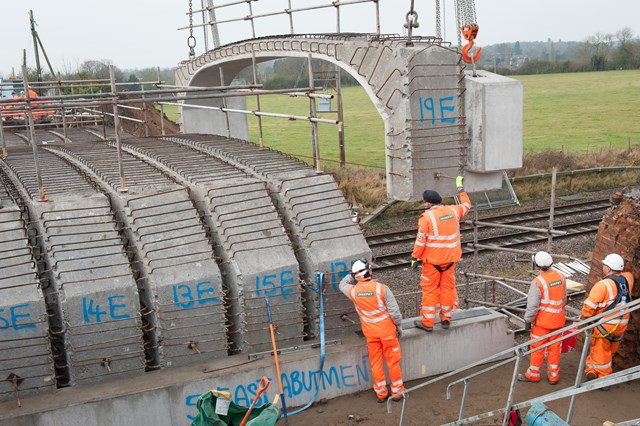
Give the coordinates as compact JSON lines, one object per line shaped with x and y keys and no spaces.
{"x":429,"y":406}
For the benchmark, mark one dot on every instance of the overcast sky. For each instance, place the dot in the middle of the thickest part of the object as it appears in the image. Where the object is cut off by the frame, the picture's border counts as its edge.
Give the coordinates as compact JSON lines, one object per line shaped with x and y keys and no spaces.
{"x":144,"y":33}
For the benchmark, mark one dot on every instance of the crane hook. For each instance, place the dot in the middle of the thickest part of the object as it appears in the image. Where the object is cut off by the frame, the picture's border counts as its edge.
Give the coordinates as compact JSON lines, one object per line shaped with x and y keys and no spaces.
{"x":470,"y":32}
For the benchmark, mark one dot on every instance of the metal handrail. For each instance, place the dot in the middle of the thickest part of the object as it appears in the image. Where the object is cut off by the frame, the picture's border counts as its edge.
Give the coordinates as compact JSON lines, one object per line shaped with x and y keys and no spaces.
{"x":520,"y":351}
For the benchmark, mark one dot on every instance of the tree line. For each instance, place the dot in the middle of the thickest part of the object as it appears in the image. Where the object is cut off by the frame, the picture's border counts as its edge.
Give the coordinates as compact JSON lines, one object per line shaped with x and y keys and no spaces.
{"x":599,"y":52}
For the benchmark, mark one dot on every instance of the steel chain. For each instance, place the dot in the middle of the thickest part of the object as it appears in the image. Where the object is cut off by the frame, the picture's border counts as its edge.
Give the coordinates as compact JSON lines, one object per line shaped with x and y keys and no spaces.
{"x":412,"y":22}
{"x":467,"y":10}
{"x":191,"y":40}
{"x":438,"y":20}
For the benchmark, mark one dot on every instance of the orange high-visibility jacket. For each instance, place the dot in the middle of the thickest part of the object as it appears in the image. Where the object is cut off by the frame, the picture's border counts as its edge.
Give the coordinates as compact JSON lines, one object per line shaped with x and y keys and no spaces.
{"x":438,"y":240}
{"x":603,"y":293}
{"x":371,"y":304}
{"x":552,"y":288}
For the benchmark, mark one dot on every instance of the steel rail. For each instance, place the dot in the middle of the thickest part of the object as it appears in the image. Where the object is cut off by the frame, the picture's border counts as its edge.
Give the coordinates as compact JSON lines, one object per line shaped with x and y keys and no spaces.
{"x":511,"y":218}
{"x":402,"y":258}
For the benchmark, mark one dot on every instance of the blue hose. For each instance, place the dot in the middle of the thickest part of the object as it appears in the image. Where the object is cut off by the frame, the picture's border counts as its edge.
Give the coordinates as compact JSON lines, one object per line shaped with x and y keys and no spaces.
{"x":319,"y":281}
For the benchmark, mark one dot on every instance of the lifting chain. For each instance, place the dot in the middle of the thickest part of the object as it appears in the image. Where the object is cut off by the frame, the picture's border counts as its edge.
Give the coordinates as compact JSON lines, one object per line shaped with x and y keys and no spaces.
{"x":466,"y":12}
{"x":191,"y":40}
{"x":412,"y":22}
{"x":438,"y":20}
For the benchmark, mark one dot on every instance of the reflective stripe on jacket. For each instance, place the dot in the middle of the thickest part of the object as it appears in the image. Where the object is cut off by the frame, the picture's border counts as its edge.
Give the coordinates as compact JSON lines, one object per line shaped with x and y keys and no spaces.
{"x":552,"y":287}
{"x":603,"y":294}
{"x":438,"y":239}
{"x":368,"y":298}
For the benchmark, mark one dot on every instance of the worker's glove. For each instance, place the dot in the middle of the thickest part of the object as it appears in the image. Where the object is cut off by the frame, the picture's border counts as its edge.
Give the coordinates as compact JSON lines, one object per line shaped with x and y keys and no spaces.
{"x":459,"y":183}
{"x":527,"y":326}
{"x":414,"y":263}
{"x":399,"y":331}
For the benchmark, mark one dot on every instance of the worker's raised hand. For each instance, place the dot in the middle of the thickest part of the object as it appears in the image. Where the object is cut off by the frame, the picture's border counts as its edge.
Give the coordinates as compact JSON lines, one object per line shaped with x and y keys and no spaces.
{"x":414,"y":263}
{"x":459,"y":182}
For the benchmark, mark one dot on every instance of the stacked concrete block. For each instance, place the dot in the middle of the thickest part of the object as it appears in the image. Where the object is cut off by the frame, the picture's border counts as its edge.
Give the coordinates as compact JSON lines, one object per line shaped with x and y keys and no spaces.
{"x":329,"y":243}
{"x":316,"y":216}
{"x":98,"y":294}
{"x":229,"y":195}
{"x":182,"y":275}
{"x":263,"y":265}
{"x":26,"y":364}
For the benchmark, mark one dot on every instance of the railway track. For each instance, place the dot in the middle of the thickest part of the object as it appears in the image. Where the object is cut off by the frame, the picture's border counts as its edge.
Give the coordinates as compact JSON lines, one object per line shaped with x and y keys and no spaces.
{"x":513,"y":239}
{"x":409,"y":235}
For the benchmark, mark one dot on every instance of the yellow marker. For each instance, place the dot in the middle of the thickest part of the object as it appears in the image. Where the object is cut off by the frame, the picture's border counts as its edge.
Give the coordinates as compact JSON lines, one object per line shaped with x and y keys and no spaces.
{"x":221,"y":394}
{"x":276,"y":399}
{"x":424,"y":370}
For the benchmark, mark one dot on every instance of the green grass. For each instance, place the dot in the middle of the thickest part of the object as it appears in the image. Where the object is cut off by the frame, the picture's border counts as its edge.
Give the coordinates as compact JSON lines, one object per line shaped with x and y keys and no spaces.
{"x":574,"y":112}
{"x":363,"y":128}
{"x":581,"y":112}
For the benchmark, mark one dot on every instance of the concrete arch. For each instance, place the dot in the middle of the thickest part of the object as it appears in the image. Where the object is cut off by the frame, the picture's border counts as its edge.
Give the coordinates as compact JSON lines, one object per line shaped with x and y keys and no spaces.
{"x":418,"y":91}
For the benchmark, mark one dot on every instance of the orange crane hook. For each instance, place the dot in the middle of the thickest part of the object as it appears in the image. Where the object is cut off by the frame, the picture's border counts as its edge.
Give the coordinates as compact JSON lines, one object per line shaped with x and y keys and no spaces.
{"x":470,"y":32}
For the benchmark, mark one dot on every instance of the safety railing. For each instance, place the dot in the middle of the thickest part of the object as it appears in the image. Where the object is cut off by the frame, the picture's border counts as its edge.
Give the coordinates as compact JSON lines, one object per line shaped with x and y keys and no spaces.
{"x":517,"y":354}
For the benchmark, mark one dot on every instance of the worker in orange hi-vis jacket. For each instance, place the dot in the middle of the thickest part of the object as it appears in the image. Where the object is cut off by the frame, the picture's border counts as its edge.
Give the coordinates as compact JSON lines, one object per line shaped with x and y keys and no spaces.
{"x":613,"y":291}
{"x":381,"y":322}
{"x":438,"y":247}
{"x":545,"y":314}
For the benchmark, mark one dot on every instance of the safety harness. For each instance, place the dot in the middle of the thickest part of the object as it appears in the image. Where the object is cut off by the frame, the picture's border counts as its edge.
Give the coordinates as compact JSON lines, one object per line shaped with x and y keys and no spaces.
{"x":622,"y":296}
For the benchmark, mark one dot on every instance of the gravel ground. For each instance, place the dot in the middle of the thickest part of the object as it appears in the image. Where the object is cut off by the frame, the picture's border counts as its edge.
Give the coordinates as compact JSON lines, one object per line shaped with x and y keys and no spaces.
{"x":405,"y":282}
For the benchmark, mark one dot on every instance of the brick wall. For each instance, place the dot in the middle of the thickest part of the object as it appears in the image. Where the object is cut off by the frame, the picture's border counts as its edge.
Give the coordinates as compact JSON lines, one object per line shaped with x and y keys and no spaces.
{"x":619,"y":232}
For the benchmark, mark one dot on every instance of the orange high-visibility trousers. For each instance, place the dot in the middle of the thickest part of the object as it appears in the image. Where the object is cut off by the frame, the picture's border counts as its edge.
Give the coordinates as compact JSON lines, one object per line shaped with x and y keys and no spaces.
{"x":537,"y":357}
{"x":602,"y":351}
{"x":389,"y":348}
{"x":439,"y":294}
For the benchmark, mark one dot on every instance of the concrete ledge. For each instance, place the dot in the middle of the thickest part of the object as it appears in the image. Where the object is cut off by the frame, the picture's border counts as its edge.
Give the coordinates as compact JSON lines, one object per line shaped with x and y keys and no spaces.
{"x":168,"y":397}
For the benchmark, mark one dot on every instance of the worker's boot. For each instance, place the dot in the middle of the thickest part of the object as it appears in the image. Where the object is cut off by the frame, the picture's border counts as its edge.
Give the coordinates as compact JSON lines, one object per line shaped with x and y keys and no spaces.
{"x":445,"y":324}
{"x":420,"y":325}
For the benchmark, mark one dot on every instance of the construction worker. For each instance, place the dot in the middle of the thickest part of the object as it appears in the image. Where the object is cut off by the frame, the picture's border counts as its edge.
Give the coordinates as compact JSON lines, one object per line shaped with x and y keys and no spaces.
{"x":545,"y":314}
{"x":438,"y":247}
{"x":613,"y":291}
{"x":381,"y":321}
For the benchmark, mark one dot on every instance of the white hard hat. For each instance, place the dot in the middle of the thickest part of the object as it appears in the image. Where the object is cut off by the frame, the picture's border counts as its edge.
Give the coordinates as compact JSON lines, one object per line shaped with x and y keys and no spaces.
{"x":542,"y":259}
{"x":614,"y":261}
{"x":360,"y":267}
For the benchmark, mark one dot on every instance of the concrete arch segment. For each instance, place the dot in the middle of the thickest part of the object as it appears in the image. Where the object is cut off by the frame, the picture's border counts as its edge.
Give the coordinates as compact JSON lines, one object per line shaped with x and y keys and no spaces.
{"x":25,"y":349}
{"x":172,"y":261}
{"x":386,"y":69}
{"x":253,"y":249}
{"x":315,"y":215}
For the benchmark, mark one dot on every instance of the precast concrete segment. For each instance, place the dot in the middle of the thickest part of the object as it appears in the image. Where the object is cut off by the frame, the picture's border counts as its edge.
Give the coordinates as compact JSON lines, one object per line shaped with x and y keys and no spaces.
{"x":170,"y":398}
{"x":179,"y":282}
{"x":13,"y":140}
{"x":102,"y":160}
{"x":252,"y":234}
{"x":57,"y":177}
{"x":496,"y":125}
{"x":436,"y":134}
{"x":184,"y":278}
{"x":329,"y":241}
{"x":229,"y":199}
{"x":418,"y":91}
{"x":89,"y":268}
{"x":316,"y":216}
{"x":26,"y":364}
{"x":98,"y":294}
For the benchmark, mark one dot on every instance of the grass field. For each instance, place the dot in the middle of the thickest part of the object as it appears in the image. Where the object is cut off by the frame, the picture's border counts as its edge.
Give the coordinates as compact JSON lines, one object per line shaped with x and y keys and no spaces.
{"x":576,"y":112}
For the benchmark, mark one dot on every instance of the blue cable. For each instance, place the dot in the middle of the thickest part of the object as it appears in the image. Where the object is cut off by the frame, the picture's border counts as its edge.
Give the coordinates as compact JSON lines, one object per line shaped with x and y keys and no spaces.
{"x":319,"y":281}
